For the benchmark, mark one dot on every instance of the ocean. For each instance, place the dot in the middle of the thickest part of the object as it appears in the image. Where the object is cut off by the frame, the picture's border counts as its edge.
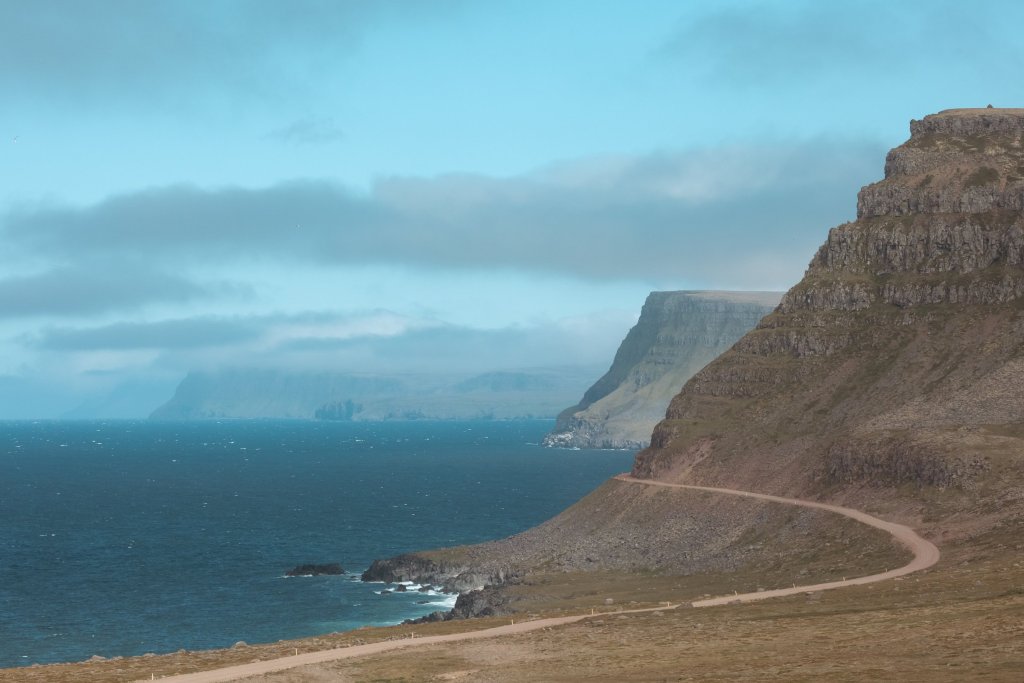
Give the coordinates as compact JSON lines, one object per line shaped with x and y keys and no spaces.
{"x":128,"y":537}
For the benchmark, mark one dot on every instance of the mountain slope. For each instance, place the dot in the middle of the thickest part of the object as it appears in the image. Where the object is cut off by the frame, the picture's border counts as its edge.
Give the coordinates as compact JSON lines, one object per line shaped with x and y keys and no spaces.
{"x":890,"y":379}
{"x":899,"y":359}
{"x":677,"y":334}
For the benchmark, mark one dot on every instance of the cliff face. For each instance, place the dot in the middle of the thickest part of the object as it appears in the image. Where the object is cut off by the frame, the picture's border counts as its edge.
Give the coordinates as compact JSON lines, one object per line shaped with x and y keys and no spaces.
{"x":899,"y":358}
{"x":678,"y":333}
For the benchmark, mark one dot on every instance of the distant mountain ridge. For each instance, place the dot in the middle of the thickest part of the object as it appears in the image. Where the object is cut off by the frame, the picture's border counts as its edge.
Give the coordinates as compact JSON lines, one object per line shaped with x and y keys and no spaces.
{"x":261,"y":393}
{"x":678,"y":333}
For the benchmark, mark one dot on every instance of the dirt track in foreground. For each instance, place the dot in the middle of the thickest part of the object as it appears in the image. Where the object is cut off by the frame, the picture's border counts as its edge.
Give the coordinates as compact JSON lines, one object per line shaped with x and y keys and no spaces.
{"x":925,"y":554}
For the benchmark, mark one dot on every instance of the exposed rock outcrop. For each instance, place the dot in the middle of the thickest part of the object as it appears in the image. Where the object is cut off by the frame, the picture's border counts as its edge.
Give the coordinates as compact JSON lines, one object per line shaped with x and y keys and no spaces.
{"x":492,"y":601}
{"x":677,"y":334}
{"x":452,"y":577}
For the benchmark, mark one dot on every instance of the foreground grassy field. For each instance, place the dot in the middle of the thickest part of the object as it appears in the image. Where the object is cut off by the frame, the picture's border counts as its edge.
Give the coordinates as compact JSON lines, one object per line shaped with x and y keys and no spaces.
{"x":962,"y":620}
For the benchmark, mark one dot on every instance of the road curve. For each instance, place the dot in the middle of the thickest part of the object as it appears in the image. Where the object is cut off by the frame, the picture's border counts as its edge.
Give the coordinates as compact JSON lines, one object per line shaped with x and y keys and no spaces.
{"x":925,"y":555}
{"x":925,"y":552}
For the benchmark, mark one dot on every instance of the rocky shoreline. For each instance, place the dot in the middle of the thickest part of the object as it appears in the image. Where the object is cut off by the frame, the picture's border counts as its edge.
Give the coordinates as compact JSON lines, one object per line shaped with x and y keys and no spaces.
{"x":479,"y":589}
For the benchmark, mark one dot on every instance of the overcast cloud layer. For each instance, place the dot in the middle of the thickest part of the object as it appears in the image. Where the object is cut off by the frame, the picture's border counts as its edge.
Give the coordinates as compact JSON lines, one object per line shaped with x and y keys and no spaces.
{"x":93,"y":50}
{"x":430,"y":185}
{"x":736,"y":217}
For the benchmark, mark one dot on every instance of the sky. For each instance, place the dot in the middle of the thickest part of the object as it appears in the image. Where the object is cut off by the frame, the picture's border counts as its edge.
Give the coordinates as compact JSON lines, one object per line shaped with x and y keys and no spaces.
{"x":430,"y":185}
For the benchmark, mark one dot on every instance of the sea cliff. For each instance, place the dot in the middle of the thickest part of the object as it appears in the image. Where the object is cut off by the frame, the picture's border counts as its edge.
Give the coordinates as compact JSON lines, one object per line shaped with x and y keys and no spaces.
{"x":677,"y":334}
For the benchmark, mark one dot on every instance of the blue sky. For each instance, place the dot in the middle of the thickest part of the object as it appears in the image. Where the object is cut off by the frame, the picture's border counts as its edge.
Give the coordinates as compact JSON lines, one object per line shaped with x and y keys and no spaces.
{"x":325,"y":184}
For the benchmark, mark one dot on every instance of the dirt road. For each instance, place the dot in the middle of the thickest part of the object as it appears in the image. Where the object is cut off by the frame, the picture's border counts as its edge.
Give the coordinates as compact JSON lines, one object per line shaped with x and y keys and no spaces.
{"x":925,"y":552}
{"x":925,"y":555}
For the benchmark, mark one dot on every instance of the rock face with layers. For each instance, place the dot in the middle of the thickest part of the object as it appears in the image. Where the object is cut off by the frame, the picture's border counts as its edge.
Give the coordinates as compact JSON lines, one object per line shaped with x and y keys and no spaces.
{"x":899,"y":358}
{"x":678,"y":333}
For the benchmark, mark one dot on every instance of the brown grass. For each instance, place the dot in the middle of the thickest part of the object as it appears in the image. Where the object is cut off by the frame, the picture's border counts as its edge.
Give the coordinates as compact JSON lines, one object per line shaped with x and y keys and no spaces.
{"x":962,"y":620}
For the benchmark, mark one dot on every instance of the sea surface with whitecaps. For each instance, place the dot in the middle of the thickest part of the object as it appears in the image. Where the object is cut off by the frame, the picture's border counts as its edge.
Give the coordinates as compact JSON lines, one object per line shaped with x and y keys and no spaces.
{"x":127,"y":537}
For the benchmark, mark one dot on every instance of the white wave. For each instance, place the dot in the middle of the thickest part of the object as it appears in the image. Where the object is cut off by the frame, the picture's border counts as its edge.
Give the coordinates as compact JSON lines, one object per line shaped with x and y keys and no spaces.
{"x":448,"y":602}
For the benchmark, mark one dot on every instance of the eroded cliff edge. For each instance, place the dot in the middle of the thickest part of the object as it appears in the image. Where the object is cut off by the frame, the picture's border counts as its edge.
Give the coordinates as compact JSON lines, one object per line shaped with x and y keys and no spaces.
{"x":678,"y":333}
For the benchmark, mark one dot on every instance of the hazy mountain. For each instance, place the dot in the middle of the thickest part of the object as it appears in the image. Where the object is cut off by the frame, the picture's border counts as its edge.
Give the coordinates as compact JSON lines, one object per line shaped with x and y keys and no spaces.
{"x":251,"y":393}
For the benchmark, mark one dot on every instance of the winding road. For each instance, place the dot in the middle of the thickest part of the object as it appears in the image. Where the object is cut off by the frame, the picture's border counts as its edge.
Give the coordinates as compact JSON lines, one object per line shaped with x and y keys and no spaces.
{"x":925,"y":553}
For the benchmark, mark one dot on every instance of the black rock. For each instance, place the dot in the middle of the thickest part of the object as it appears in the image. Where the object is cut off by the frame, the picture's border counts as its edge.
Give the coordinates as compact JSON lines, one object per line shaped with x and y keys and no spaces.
{"x":331,"y":569}
{"x":433,"y":616}
{"x":490,"y":601}
{"x":406,"y":567}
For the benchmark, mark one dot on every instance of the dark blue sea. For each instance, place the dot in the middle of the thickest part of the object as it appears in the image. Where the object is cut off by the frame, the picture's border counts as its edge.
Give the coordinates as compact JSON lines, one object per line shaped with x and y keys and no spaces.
{"x":122,"y":537}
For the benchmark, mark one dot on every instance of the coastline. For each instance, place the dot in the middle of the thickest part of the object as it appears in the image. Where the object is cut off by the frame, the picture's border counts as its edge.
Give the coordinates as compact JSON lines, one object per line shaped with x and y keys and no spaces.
{"x":354,"y":644}
{"x":165,"y":536}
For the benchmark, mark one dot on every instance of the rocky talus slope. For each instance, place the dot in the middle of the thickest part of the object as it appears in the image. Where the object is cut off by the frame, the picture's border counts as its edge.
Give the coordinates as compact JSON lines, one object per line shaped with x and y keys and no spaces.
{"x":890,"y":378}
{"x":678,"y":333}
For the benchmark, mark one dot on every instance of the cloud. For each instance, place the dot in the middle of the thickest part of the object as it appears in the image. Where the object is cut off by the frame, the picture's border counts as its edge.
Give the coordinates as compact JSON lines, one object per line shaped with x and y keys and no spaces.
{"x":99,"y":287}
{"x":290,"y":218}
{"x":372,"y":341}
{"x":308,"y":131}
{"x":260,"y":333}
{"x":762,"y":43}
{"x":559,"y":343}
{"x":167,"y":334}
{"x":435,"y":348}
{"x":704,"y":216}
{"x":101,"y":372}
{"x":91,"y":51}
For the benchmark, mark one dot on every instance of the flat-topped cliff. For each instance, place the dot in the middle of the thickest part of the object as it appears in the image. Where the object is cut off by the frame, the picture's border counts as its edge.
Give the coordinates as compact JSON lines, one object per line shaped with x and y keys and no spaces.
{"x":677,"y":334}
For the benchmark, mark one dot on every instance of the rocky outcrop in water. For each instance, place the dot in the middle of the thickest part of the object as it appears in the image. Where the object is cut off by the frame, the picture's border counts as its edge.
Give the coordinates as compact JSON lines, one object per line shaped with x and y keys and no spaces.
{"x":479,"y":585}
{"x":452,"y":577}
{"x":677,"y":334}
{"x":491,"y":601}
{"x":329,"y":569}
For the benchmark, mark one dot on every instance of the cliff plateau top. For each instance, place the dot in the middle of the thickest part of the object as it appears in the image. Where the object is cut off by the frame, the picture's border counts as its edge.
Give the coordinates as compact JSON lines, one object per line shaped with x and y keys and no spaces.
{"x":974,"y":119}
{"x":959,"y":161}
